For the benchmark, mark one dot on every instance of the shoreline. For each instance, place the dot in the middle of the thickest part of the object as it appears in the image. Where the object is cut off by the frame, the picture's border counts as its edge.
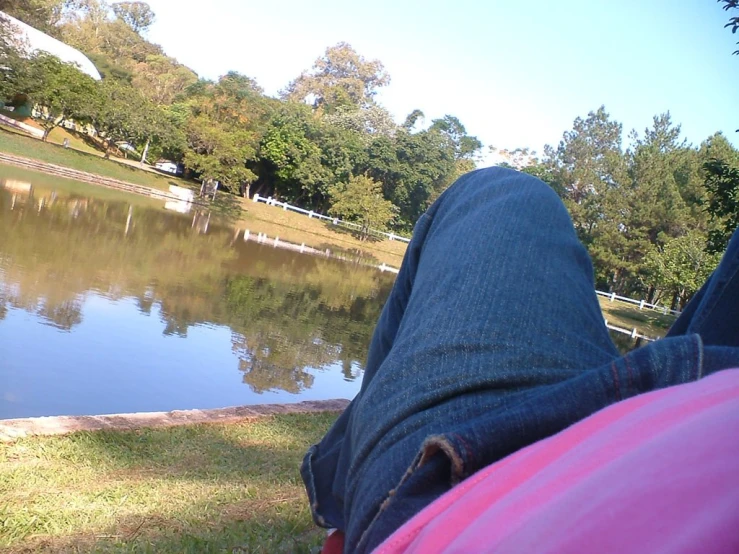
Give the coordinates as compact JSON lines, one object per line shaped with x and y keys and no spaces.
{"x":270,"y":220}
{"x":13,"y":429}
{"x":86,"y":177}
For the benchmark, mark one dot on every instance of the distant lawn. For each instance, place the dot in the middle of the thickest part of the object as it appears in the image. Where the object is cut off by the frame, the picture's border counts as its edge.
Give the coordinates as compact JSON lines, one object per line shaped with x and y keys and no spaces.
{"x":297,"y":228}
{"x":44,"y":183}
{"x":648,"y":322}
{"x":200,"y":488}
{"x":258,"y":217}
{"x":58,"y":135}
{"x":15,"y":143}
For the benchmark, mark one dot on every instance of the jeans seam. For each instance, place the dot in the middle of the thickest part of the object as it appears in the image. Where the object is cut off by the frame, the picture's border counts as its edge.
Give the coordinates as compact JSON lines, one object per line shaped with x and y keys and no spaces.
{"x":698,"y":357}
{"x":468,"y":457}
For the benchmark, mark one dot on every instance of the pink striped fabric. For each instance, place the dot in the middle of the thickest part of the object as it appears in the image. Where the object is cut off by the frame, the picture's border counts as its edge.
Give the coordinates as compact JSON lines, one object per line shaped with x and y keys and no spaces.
{"x":656,"y":473}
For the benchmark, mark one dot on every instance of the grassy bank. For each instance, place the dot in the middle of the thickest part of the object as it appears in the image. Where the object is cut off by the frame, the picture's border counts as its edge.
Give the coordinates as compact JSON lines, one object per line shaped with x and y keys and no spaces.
{"x":243,"y":213}
{"x":44,"y":184}
{"x":200,"y":488}
{"x":625,"y":315}
{"x":15,"y":143}
{"x":298,"y":228}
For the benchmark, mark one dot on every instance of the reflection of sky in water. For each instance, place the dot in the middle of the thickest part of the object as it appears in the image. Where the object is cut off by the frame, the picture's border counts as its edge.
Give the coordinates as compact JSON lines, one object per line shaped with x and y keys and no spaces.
{"x":118,"y":360}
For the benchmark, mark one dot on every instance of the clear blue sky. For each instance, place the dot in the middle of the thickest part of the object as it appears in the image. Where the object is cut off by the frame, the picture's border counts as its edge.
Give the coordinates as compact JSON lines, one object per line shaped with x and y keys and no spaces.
{"x":516,"y":72}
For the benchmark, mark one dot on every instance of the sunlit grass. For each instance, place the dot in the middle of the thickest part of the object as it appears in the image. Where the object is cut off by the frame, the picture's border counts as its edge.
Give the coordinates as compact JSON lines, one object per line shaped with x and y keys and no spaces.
{"x":628,"y":316}
{"x":15,"y":143}
{"x":298,"y":228}
{"x":201,"y":488}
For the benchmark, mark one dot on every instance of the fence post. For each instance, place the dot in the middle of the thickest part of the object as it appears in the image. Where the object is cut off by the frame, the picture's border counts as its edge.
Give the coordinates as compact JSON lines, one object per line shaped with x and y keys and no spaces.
{"x":310,"y":214}
{"x":277,"y":240}
{"x":255,"y":198}
{"x":391,"y":236}
{"x":246,"y":235}
{"x":613,"y":296}
{"x":302,"y":247}
{"x":336,"y":221}
{"x":641,"y":305}
{"x":284,"y":206}
{"x":633,"y":333}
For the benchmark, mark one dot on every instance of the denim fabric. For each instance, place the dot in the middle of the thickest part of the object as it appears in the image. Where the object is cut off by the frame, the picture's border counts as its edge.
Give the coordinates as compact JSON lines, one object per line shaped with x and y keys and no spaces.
{"x":491,"y":339}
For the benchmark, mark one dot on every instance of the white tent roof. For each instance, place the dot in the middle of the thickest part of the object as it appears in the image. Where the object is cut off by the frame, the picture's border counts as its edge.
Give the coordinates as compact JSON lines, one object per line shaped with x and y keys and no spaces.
{"x":34,"y":40}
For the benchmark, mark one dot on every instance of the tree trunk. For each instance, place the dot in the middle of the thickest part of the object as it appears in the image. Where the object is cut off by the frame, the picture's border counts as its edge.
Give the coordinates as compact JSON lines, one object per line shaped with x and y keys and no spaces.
{"x":47,"y":130}
{"x":107,"y":148}
{"x":146,"y":151}
{"x":684,"y":297}
{"x":675,"y":299}
{"x":650,"y":294}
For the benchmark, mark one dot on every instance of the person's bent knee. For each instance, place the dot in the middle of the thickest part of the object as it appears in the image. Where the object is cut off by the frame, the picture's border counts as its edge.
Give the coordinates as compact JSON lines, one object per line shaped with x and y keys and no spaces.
{"x":491,"y":184}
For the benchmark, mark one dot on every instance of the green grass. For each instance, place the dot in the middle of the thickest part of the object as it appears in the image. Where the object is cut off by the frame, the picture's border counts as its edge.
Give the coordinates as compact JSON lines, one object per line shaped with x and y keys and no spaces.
{"x":14,"y":143}
{"x":297,"y":228}
{"x":647,"y":322}
{"x":58,"y":134}
{"x":201,"y":488}
{"x":44,"y":183}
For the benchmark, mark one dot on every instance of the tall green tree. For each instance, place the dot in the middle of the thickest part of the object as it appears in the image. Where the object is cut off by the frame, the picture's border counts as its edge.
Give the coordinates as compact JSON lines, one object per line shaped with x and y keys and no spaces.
{"x":61,"y":91}
{"x":120,"y":114}
{"x":361,"y":201}
{"x":722,"y":182}
{"x":291,"y":155}
{"x":657,"y":205}
{"x":414,"y":168}
{"x":224,"y":128}
{"x":339,"y":78}
{"x":43,"y":15}
{"x":680,"y":267}
{"x":588,"y":169}
{"x":161,"y":79}
{"x":137,"y":15}
{"x":13,"y":64}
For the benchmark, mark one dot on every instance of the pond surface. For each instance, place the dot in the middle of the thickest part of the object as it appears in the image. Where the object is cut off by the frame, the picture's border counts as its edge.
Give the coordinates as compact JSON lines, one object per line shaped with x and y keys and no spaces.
{"x":111,"y":304}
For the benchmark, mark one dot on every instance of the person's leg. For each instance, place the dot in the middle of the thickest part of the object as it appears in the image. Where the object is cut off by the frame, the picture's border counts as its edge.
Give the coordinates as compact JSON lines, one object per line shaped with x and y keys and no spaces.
{"x":493,"y":279}
{"x":486,"y":345}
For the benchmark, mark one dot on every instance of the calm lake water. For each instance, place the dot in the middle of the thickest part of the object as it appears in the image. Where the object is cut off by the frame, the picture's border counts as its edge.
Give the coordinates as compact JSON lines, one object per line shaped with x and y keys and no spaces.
{"x":105,"y":313}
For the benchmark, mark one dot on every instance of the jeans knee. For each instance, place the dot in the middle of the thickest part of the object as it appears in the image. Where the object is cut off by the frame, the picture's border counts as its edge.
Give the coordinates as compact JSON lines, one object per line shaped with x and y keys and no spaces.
{"x":490,"y":185}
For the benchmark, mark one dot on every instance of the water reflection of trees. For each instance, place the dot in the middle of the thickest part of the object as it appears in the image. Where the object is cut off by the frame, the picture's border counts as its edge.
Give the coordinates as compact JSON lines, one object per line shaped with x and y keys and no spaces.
{"x":287,"y":312}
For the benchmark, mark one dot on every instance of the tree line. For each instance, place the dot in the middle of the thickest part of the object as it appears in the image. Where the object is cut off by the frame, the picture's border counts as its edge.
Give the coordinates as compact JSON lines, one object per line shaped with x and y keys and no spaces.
{"x":654,"y":211}
{"x":325,"y":143}
{"x":655,"y":215}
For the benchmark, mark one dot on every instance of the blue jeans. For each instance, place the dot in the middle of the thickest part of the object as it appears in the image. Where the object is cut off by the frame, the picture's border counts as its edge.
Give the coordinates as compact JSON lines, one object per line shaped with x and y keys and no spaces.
{"x":492,"y":339}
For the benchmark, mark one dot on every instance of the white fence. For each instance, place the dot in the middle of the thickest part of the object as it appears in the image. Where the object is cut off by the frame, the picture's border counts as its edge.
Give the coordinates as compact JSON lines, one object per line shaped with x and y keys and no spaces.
{"x":334,"y":220}
{"x":633,"y":332}
{"x":641,"y":303}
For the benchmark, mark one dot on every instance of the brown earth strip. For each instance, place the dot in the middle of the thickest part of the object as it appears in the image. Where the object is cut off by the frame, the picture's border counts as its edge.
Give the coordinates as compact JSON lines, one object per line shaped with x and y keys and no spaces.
{"x":11,"y":429}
